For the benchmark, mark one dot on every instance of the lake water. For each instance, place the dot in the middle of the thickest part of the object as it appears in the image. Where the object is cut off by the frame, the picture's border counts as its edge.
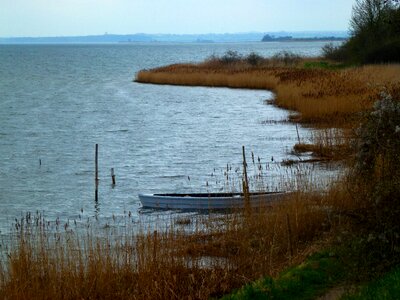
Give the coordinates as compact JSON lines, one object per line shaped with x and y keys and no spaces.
{"x":58,"y":101}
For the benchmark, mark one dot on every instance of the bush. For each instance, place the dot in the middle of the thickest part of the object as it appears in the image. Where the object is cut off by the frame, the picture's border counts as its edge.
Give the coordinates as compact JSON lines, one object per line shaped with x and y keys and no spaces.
{"x":377,"y":176}
{"x":287,"y":58}
{"x":233,"y":57}
{"x":378,"y":149}
{"x":388,"y":52}
{"x":254,"y":59}
{"x":332,"y":52}
{"x":230,"y":57}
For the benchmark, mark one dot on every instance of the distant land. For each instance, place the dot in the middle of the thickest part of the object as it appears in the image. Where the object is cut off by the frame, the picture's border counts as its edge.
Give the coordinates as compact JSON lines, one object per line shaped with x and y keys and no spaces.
{"x":289,"y":38}
{"x":182,"y":38}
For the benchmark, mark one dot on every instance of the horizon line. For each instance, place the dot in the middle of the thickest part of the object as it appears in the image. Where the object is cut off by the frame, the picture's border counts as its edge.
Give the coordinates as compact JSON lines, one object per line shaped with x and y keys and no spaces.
{"x":173,"y":34}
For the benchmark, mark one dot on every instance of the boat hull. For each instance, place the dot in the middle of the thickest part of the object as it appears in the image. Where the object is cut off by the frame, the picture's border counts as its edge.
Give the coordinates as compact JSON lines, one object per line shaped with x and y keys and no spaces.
{"x":212,"y":201}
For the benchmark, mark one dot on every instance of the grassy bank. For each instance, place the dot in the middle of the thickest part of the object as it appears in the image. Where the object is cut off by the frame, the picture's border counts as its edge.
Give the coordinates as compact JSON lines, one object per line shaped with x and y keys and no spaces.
{"x":309,"y":280}
{"x":387,"y":287}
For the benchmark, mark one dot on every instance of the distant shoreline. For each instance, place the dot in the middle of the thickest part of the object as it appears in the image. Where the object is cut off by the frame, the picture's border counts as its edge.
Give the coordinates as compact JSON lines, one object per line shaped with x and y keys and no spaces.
{"x":179,"y":38}
{"x":290,"y":38}
{"x":327,"y":39}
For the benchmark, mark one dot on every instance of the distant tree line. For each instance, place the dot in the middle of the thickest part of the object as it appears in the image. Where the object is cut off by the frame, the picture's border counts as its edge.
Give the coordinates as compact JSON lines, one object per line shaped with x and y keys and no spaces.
{"x":374,"y":34}
{"x":289,"y":38}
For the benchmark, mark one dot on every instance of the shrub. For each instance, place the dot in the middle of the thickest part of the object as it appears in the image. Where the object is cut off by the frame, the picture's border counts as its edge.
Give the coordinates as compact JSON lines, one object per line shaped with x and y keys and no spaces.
{"x":379,"y":140}
{"x":254,"y":59}
{"x":387,"y":52}
{"x":287,"y":58}
{"x":230,"y":57}
{"x":332,"y":52}
{"x":377,"y":176}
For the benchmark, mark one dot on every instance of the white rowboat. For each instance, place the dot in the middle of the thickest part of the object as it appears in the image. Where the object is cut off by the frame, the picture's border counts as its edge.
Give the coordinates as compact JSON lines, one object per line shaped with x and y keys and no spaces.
{"x":207,"y":201}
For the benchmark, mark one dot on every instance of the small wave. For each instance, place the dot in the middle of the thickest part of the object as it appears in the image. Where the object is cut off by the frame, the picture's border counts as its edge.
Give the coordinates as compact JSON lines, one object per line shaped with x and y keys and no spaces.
{"x":47,"y":192}
{"x":172,"y":176}
{"x":81,"y":173}
{"x":118,"y":130}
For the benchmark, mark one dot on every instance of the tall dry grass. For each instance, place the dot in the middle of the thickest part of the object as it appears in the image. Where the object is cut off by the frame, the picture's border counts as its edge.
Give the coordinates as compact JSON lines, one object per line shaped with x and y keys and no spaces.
{"x":320,"y":96}
{"x":206,"y":258}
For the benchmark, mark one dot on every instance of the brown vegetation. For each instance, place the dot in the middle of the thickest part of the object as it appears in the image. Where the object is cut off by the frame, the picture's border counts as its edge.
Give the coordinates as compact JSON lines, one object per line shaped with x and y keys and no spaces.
{"x":320,"y":96}
{"x":327,"y":144}
{"x":218,"y":253}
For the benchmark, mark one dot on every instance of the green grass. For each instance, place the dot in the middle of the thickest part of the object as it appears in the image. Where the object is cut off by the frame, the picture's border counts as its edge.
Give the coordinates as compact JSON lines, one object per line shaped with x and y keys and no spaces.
{"x":316,"y":276}
{"x":309,"y":280}
{"x":324,"y":65}
{"x":388,"y":287}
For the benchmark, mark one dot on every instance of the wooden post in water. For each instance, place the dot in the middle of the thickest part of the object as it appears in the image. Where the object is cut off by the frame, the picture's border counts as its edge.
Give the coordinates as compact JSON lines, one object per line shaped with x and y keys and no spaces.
{"x":246,"y":194}
{"x":246,"y":182}
{"x":298,"y":135}
{"x":96,"y":173}
{"x":112,"y":177}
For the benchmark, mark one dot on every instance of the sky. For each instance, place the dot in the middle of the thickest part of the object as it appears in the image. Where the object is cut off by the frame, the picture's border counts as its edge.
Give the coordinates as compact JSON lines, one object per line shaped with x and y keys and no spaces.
{"x":35,"y":18}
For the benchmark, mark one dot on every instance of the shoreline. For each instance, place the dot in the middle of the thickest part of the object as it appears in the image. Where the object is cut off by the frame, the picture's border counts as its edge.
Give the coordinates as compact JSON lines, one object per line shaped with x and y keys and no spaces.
{"x":318,"y":94}
{"x":321,"y":97}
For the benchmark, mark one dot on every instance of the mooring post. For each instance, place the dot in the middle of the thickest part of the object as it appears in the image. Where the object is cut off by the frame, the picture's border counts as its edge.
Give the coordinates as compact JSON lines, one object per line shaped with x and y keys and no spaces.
{"x":246,"y":194}
{"x":112,"y":176}
{"x":96,"y":160}
{"x":246,"y":182}
{"x":96,"y":175}
{"x":298,"y":135}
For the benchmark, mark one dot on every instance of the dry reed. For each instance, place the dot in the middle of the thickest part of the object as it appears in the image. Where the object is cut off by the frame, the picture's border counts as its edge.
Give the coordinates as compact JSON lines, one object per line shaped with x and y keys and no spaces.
{"x":215,"y":255}
{"x":328,"y":97}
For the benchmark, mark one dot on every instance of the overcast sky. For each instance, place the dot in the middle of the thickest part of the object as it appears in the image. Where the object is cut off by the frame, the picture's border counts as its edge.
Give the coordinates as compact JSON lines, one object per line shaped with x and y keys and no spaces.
{"x":90,"y":17}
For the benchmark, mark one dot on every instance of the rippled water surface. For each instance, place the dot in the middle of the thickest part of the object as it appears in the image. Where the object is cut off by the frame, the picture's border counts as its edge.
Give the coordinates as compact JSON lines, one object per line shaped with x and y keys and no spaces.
{"x":58,"y":101}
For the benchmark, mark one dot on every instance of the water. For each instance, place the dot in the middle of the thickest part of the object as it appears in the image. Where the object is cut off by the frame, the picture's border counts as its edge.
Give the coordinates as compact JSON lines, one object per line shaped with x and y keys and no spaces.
{"x":58,"y":101}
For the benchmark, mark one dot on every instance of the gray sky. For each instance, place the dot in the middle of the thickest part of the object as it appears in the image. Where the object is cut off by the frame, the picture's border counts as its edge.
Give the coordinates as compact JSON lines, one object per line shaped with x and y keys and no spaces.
{"x":89,"y":17}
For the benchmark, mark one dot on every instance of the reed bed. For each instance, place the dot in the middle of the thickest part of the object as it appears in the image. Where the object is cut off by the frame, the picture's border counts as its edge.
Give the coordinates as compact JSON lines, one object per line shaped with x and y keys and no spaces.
{"x":320,"y":96}
{"x":193,"y":258}
{"x":327,"y":144}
